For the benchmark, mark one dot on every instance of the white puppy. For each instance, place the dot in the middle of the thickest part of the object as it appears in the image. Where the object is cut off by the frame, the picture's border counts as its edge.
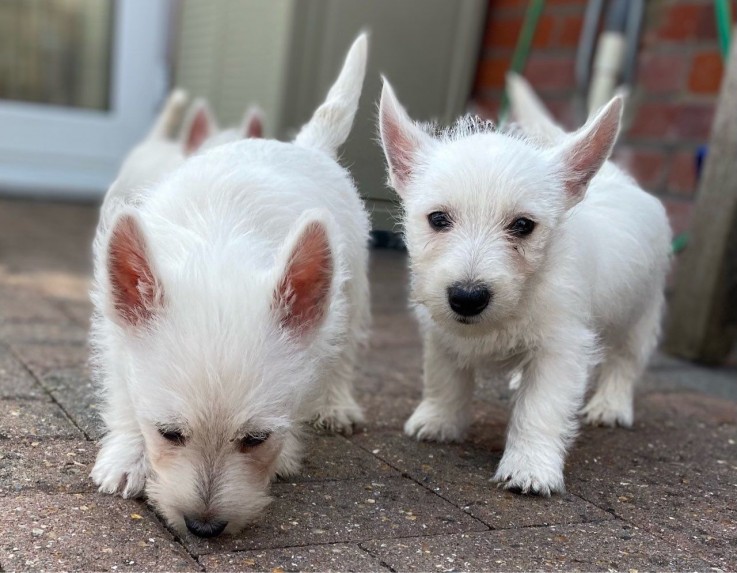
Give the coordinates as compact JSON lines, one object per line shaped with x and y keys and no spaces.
{"x":524,"y":259}
{"x":230,"y":304}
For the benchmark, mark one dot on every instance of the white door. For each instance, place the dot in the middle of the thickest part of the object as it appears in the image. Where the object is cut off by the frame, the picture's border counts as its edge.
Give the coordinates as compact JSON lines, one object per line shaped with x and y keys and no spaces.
{"x":80,"y":81}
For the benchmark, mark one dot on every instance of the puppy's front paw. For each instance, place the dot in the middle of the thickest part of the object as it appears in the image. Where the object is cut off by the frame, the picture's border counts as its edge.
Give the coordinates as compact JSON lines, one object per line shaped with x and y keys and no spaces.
{"x":339,"y":418}
{"x":608,"y":411}
{"x":522,"y":474}
{"x":430,"y":422}
{"x":120,"y":472}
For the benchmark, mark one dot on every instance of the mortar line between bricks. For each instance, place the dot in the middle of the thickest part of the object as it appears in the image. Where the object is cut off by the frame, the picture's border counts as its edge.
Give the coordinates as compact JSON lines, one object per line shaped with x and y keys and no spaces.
{"x":408,"y":476}
{"x":50,"y":395}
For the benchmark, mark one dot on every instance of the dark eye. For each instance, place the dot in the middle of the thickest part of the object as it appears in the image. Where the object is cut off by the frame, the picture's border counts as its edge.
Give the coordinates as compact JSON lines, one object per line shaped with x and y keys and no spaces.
{"x":522,"y":227}
{"x":174,"y":436}
{"x":439,"y":220}
{"x":251,"y":441}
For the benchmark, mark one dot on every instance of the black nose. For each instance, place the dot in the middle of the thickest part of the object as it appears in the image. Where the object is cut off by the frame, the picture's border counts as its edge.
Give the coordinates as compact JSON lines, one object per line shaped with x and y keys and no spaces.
{"x":210,"y":528}
{"x":468,"y":300}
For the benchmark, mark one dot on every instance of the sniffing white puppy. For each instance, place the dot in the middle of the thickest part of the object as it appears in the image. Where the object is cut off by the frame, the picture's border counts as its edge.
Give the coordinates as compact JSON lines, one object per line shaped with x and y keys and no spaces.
{"x":230,"y":304}
{"x":528,"y":255}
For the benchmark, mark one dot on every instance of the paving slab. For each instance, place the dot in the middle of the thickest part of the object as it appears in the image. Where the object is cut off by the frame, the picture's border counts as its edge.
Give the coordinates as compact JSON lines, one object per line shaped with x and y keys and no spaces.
{"x":43,"y":359}
{"x":333,"y":557}
{"x":607,"y":546}
{"x":678,"y":482}
{"x":50,"y":466}
{"x":77,"y":395}
{"x":85,"y":532}
{"x":20,"y":304}
{"x":335,"y":458}
{"x":67,"y":332}
{"x":461,"y":473}
{"x":79,"y":311}
{"x":34,"y":419}
{"x":15,"y":379}
{"x":343,"y":511}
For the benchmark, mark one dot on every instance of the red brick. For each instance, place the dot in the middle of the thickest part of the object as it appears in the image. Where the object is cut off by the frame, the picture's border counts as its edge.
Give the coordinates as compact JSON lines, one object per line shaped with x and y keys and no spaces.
{"x":682,"y":173}
{"x":645,"y":165}
{"x":544,"y":32}
{"x":706,"y":73}
{"x":653,"y":120}
{"x":569,"y":31}
{"x":661,"y":72}
{"x":487,"y":107}
{"x":693,"y":120}
{"x":550,"y":73}
{"x":492,"y":72}
{"x":678,"y":22}
{"x":502,"y":32}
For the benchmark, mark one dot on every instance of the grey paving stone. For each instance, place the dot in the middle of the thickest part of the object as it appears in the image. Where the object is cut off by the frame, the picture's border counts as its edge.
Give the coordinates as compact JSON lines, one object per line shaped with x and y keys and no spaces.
{"x":333,"y":557}
{"x":78,"y":310}
{"x":15,"y":379}
{"x":22,"y":304}
{"x":676,"y":481}
{"x":75,"y":392}
{"x":50,"y":466}
{"x":68,"y":332}
{"x":85,"y":532}
{"x":34,"y":419}
{"x":461,"y":473}
{"x":335,"y":458}
{"x":43,"y":359}
{"x":343,"y":511}
{"x":607,"y":546}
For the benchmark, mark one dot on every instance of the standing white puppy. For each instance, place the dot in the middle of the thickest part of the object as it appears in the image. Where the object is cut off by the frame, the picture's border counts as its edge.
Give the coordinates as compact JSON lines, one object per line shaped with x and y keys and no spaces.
{"x":525,"y":260}
{"x":230,"y":303}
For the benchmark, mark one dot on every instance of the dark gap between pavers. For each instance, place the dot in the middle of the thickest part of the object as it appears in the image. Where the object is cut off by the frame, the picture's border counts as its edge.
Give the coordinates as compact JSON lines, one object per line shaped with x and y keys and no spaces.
{"x":77,"y":394}
{"x":610,"y":545}
{"x":343,"y":512}
{"x":35,"y":419}
{"x":16,"y":382}
{"x":461,"y":474}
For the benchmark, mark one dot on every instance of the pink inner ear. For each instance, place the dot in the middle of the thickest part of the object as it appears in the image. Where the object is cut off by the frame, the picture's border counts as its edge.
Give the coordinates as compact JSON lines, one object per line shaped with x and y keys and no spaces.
{"x":134,"y":287}
{"x":303,"y":291}
{"x":254,"y":127}
{"x":199,"y":131}
{"x":400,"y":148}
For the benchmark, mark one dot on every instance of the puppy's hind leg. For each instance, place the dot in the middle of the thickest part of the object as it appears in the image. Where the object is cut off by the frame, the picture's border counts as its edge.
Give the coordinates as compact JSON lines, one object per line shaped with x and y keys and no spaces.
{"x":612,"y":402}
{"x":335,"y":408}
{"x":121,"y":466}
{"x":444,"y":413}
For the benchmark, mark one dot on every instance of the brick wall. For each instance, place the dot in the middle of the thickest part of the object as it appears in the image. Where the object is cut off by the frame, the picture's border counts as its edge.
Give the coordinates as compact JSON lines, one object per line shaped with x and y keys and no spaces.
{"x":670,"y":111}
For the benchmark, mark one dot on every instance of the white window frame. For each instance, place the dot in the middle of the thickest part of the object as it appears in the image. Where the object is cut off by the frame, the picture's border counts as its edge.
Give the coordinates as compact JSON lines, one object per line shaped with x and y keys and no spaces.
{"x":75,"y":153}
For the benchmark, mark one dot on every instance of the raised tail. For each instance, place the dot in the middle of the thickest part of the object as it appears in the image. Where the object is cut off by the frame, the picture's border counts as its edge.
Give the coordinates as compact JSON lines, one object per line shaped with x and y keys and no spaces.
{"x":530,"y":113}
{"x":170,"y":116}
{"x":331,"y":123}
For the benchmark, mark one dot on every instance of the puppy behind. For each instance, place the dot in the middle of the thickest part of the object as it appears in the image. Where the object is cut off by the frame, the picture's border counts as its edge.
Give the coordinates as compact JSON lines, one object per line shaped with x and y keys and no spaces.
{"x":529,"y":254}
{"x":229,"y":307}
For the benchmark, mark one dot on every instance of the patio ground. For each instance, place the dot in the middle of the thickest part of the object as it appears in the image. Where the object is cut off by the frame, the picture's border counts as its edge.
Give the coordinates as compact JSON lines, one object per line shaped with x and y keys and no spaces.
{"x":662,"y":496}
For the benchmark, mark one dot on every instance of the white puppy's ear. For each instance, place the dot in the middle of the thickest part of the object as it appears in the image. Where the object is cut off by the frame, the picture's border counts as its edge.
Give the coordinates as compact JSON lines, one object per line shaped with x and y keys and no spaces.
{"x":198,"y":126}
{"x":588,"y":149}
{"x":253,"y":123}
{"x":302,"y":294}
{"x":332,"y":121}
{"x":403,"y":141}
{"x":531,"y":113}
{"x":135,"y":290}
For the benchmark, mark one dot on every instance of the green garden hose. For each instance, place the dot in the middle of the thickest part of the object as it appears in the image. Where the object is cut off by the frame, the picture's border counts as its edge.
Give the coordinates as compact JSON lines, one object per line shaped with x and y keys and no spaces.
{"x":522,"y":49}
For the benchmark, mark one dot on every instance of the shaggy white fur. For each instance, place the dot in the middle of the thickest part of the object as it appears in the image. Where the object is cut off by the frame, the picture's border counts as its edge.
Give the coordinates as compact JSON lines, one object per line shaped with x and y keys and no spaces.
{"x":231,"y":299}
{"x":532,"y":256}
